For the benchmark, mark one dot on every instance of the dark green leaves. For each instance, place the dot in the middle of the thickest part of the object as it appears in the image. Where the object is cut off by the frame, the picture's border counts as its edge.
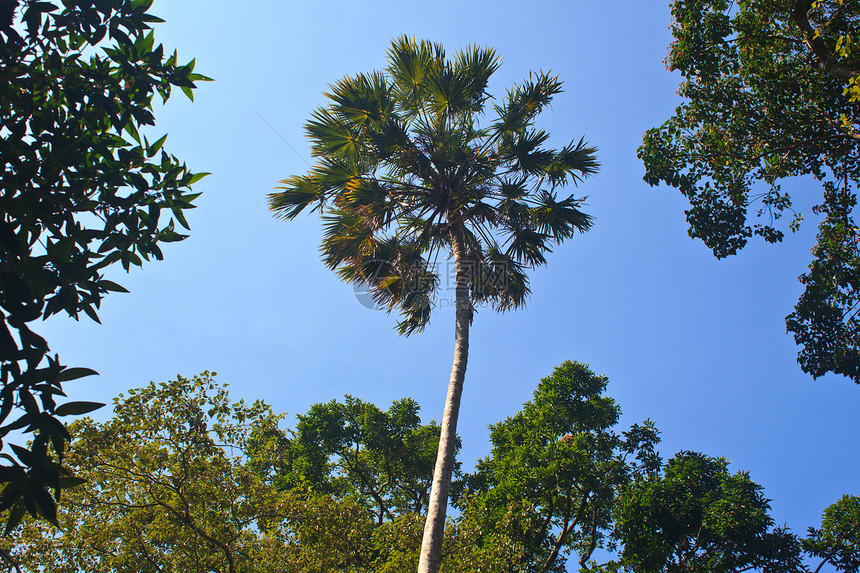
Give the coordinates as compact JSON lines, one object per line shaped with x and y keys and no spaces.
{"x":525,"y":102}
{"x":559,"y":219}
{"x":838,"y":540}
{"x":411,"y":64}
{"x":77,"y":408}
{"x":332,"y":136}
{"x":83,"y":189}
{"x":825,"y":322}
{"x":74,"y":373}
{"x":767,"y":98}
{"x":555,"y":469}
{"x":352,"y":449}
{"x":573,"y":163}
{"x":362,"y":100}
{"x":699,"y":517}
{"x":297,"y":193}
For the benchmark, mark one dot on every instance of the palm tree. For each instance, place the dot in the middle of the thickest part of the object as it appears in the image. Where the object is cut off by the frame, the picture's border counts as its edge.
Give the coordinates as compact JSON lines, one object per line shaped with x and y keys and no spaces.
{"x":405,"y":173}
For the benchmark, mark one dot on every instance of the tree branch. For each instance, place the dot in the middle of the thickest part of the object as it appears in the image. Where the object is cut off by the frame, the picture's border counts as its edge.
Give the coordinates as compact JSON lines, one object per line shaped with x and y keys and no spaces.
{"x":848,"y":131}
{"x":185,"y":517}
{"x":377,"y":496}
{"x":568,"y":527}
{"x":820,"y":565}
{"x":7,"y":557}
{"x":800,"y":16}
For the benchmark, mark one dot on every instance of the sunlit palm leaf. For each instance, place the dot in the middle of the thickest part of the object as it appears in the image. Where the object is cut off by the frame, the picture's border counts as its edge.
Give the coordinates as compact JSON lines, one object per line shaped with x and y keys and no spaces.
{"x":559,"y":219}
{"x":297,"y":193}
{"x":573,"y":163}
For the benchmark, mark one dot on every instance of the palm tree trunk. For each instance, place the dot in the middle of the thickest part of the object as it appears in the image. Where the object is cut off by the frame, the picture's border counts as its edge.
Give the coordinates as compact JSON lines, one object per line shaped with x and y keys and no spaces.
{"x":434,"y":526}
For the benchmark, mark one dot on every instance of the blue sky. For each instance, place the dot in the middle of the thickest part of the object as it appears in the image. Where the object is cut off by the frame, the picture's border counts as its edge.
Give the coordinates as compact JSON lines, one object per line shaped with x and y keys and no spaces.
{"x":695,"y":344}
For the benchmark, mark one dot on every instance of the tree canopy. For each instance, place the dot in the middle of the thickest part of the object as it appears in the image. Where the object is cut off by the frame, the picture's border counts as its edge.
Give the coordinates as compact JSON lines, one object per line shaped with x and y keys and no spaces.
{"x":183,"y":478}
{"x":82,"y":189}
{"x":355,"y":450}
{"x":166,"y":488}
{"x":697,"y":516}
{"x":770,"y":93}
{"x":556,"y":467}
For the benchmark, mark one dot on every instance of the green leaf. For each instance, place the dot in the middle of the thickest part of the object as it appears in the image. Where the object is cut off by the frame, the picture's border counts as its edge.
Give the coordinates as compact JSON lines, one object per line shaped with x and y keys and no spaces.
{"x":180,"y":216}
{"x":74,"y":373}
{"x":68,"y":482}
{"x":131,"y":129}
{"x":197,"y":177}
{"x":71,"y":115}
{"x":46,"y":505}
{"x":77,"y":408}
{"x":15,"y":516}
{"x":91,"y":312}
{"x":111,"y":286}
{"x":153,"y":149}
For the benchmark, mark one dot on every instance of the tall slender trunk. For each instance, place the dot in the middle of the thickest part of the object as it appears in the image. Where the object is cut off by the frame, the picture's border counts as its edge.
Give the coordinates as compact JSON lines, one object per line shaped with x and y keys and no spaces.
{"x":434,"y":527}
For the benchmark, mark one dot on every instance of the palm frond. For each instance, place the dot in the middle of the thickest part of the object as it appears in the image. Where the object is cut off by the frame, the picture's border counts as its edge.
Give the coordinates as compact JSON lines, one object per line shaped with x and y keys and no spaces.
{"x":346,"y":238}
{"x":525,"y":153}
{"x":473,"y":67}
{"x":370,"y":199}
{"x":390,"y":139}
{"x":514,"y":214}
{"x":513,"y":188}
{"x":525,"y":101}
{"x":499,"y":278}
{"x":573,"y":163}
{"x":364,"y":99}
{"x":332,"y":135}
{"x":335,"y":172}
{"x":409,"y":64}
{"x":528,"y":246}
{"x":416,"y":318}
{"x":297,"y":193}
{"x":559,"y":219}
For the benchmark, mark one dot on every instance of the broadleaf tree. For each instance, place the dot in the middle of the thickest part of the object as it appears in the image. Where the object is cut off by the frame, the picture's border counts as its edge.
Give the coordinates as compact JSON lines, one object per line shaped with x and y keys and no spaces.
{"x":352,"y":449}
{"x":407,"y":170}
{"x":167,"y":489}
{"x":182,"y":478}
{"x":82,"y":189}
{"x":837,"y":541}
{"x":770,"y":92}
{"x":697,"y":516}
{"x":555,"y":471}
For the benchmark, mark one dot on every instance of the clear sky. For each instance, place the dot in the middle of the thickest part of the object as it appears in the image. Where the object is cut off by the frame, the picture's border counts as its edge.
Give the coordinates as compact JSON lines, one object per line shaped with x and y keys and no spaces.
{"x":695,"y":344}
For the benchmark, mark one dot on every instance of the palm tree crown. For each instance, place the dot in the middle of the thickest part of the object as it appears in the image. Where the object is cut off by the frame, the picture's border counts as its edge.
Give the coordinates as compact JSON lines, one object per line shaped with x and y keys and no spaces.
{"x":405,"y":171}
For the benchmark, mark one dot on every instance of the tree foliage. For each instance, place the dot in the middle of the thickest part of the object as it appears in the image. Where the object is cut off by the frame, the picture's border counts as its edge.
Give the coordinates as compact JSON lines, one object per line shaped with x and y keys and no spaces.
{"x":697,"y":516}
{"x":352,"y":449}
{"x":182,"y":478}
{"x":82,"y":189}
{"x":556,"y":467}
{"x":770,"y":93}
{"x":837,"y":541}
{"x":166,"y":488}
